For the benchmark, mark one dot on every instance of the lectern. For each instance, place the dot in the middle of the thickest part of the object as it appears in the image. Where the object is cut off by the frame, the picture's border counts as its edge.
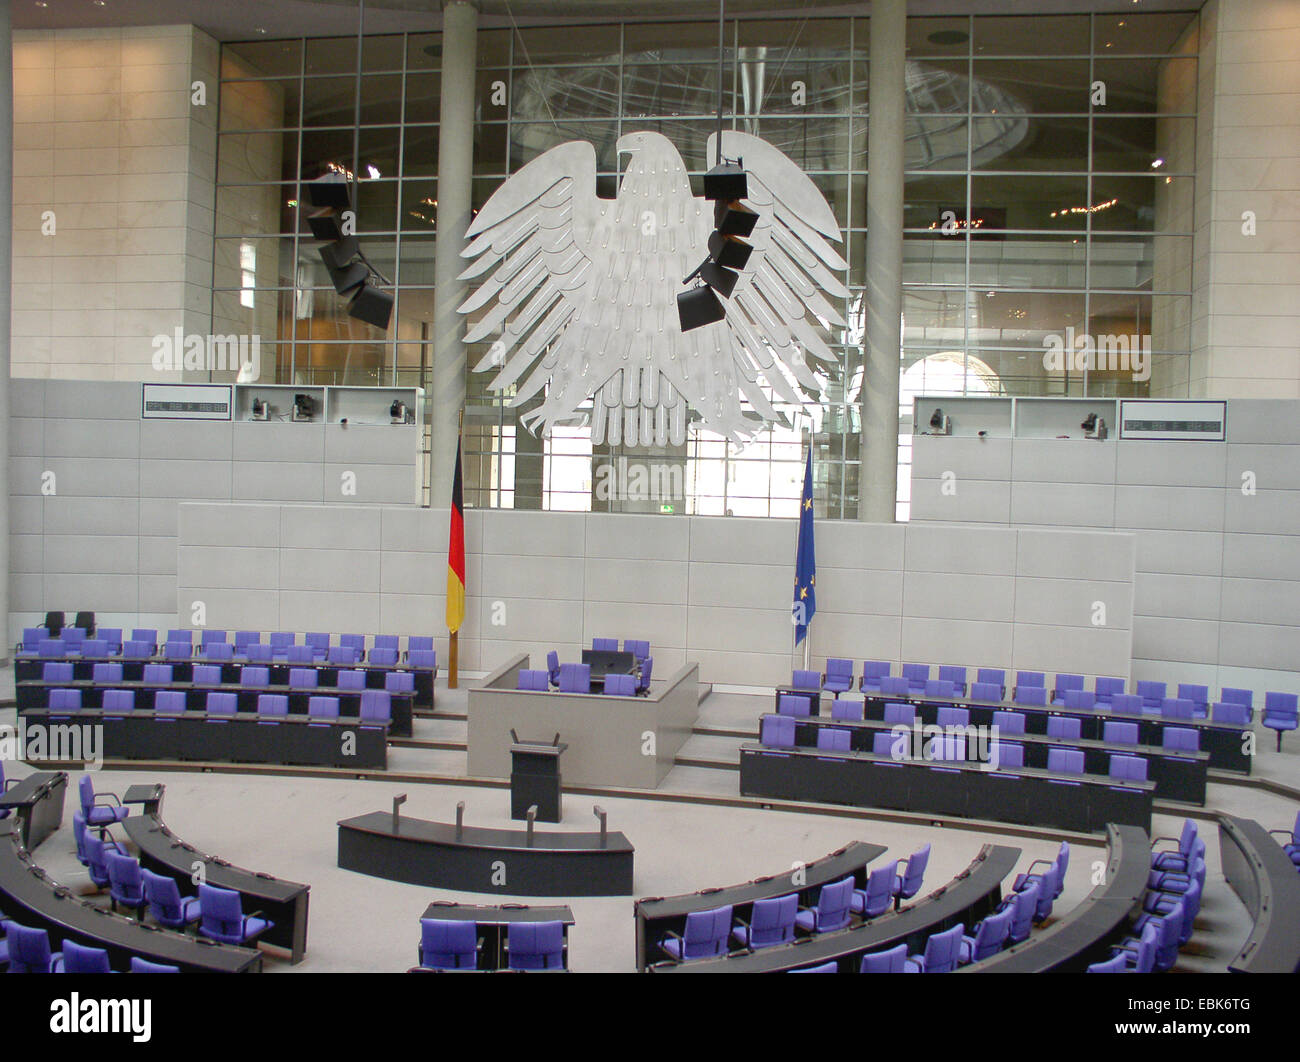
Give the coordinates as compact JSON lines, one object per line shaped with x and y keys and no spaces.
{"x":535,"y":778}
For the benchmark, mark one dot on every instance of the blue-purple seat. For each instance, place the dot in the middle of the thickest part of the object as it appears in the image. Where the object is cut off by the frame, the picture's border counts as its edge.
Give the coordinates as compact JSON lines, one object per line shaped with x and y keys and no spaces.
{"x":539,"y":945}
{"x":806,"y":680}
{"x":220,"y":652}
{"x":892,"y":961}
{"x":1064,"y":761}
{"x":1235,"y":695}
{"x":80,"y":959}
{"x":1116,"y":964}
{"x":343,"y":655}
{"x":948,"y":715}
{"x":177,"y":650}
{"x":1023,"y":905}
{"x":144,"y":966}
{"x":955,"y":675}
{"x":894,"y":686}
{"x":1064,"y":683}
{"x":1281,"y":713}
{"x":243,"y":639}
{"x":93,"y":807}
{"x":639,"y":648}
{"x":1009,"y":722}
{"x":846,"y":710}
{"x":900,"y":714}
{"x":878,"y":896}
{"x":604,"y":645}
{"x":941,"y":952}
{"x":1231,"y":713}
{"x":29,"y":951}
{"x":1008,"y":755}
{"x":1064,"y":728}
{"x":553,"y":667}
{"x":908,"y":883}
{"x":832,"y":910}
{"x":125,"y":882}
{"x":446,"y":944}
{"x":643,"y":680}
{"x":575,"y":678}
{"x":157,"y":675}
{"x":259,"y":653}
{"x":1115,"y":732}
{"x":1128,"y":768}
{"x":993,"y":676}
{"x":917,"y":676}
{"x":987,"y":938}
{"x":106,"y":673}
{"x":254,"y":677}
{"x":620,"y":685}
{"x":280,"y":642}
{"x":271,"y":708}
{"x":376,"y":709}
{"x":303,"y":678}
{"x":351,"y":680}
{"x":384,"y":656}
{"x":1079,"y":699}
{"x":1179,"y":858}
{"x":533,"y":680}
{"x":319,"y":643}
{"x":94,"y":649}
{"x":794,"y":704}
{"x":322,"y":707}
{"x":97,"y":849}
{"x":705,"y":936}
{"x":771,"y":922}
{"x":1180,"y":739}
{"x":222,"y":918}
{"x":1030,"y":695}
{"x":112,"y":636}
{"x":355,"y":642}
{"x":873,"y":671}
{"x":777,"y":732}
{"x":118,"y":703}
{"x":207,"y":675}
{"x":1152,"y":694}
{"x":422,"y":659}
{"x":57,"y":671}
{"x":169,"y":702}
{"x":219,"y":705}
{"x":1106,"y":688}
{"x":940,"y":689}
{"x":988,"y":692}
{"x":833,"y":739}
{"x":839,"y":675}
{"x":1198,"y":695}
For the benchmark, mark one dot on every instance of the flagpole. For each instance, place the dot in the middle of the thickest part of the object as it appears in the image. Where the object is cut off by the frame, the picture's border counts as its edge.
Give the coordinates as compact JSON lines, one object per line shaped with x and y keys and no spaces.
{"x":807,"y":638}
{"x":453,"y":641}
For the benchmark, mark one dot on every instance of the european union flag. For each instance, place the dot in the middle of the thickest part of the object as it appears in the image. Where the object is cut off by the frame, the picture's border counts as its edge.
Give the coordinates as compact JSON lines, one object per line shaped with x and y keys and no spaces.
{"x":805,"y":564}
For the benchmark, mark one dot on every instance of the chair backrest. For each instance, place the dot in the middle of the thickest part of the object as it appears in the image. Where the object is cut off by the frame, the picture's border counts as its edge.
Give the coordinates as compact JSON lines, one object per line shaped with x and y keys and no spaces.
{"x":323,"y":707}
{"x":620,"y":685}
{"x":356,"y":642}
{"x":1064,"y":728}
{"x":914,"y":875}
{"x":113,"y":636}
{"x":222,"y":703}
{"x":272,"y":705}
{"x":169,"y":702}
{"x":259,"y":653}
{"x":832,"y":739}
{"x":540,"y":945}
{"x":1009,"y":722}
{"x":1033,"y":695}
{"x":839,"y":669}
{"x":422,"y":659}
{"x":950,"y":716}
{"x":993,"y":675}
{"x":106,"y":673}
{"x":157,"y":674}
{"x":383,"y":656}
{"x":124,"y":877}
{"x":94,"y":648}
{"x":1130,"y":768}
{"x":917,"y":675}
{"x":243,"y":639}
{"x":1067,"y":682}
{"x":420,"y":643}
{"x":833,"y":905}
{"x":343,"y":654}
{"x":777,"y":732}
{"x":900,"y":714}
{"x":1024,"y":905}
{"x":302,"y":678}
{"x":163,"y":897}
{"x":846,"y":710}
{"x":879,"y":894}
{"x":1106,"y":688}
{"x":254,"y":676}
{"x":177,"y":650}
{"x":144,"y":966}
{"x":207,"y":675}
{"x":119,"y":701}
{"x":990,"y":692}
{"x":942,"y":949}
{"x":1031,"y":678}
{"x":319,"y":643}
{"x":940,"y":689}
{"x":1234,"y":695}
{"x":137,"y":649}
{"x":350,"y":680}
{"x":953,"y":674}
{"x":894,"y":686}
{"x":448,"y":945}
{"x":639,"y":649}
{"x":57,"y":671}
{"x":1065,"y":761}
{"x":1079,"y":699}
{"x":281,"y":640}
{"x":79,"y":959}
{"x":1126,"y":704}
{"x":772,"y":920}
{"x":647,"y":666}
{"x":874,"y":670}
{"x":179,"y":634}
{"x":793,"y":704}
{"x":1118,"y":964}
{"x":32,"y":638}
{"x":29,"y":949}
{"x":221,"y":911}
{"x":806,"y":680}
{"x":65,"y":700}
{"x":1230,"y":712}
{"x":73,"y":636}
{"x":212,"y":637}
{"x":219,"y":651}
{"x":1119,"y":733}
{"x":882,"y":743}
{"x":604,"y":645}
{"x":1186,"y":838}
{"x":575,"y":678}
{"x":1181,"y":739}
{"x":891,"y":961}
{"x":1177,"y":708}
{"x":950,"y":747}
{"x":1006,"y":754}
{"x":532,"y":680}
{"x":992,"y":934}
{"x":1198,"y":695}
{"x":1152,"y":693}
{"x":376,"y":706}
{"x":553,"y":665}
{"x":1281,"y":705}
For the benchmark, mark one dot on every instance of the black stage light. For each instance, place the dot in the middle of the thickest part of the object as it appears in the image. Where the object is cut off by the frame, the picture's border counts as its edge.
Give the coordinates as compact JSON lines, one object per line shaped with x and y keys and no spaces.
{"x":936,"y":419}
{"x":733,"y":218}
{"x":340,"y":254}
{"x":324,"y":224}
{"x":350,"y":277}
{"x":372,"y":305}
{"x":726,"y":181}
{"x":330,"y":192}
{"x":728,"y":252}
{"x":722,"y":281}
{"x":698,"y":307}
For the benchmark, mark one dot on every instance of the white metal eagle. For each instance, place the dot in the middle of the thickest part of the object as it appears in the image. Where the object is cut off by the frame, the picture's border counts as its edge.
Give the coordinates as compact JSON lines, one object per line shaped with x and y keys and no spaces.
{"x":583,"y":292}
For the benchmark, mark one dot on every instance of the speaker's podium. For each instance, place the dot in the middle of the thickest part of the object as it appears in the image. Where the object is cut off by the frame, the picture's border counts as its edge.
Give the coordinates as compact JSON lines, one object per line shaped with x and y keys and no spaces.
{"x":535,"y":778}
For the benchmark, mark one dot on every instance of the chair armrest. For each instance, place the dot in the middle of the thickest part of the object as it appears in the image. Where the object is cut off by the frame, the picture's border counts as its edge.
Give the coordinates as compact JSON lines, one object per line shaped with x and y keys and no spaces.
{"x":1036,"y":862}
{"x":113,"y":796}
{"x":1290,"y":837}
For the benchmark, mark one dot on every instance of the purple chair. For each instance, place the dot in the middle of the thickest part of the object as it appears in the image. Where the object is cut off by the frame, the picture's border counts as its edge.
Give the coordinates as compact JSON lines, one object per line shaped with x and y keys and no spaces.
{"x":872,"y":673}
{"x":94,"y":649}
{"x":1281,"y":713}
{"x":1023,"y":906}
{"x":839,"y":676}
{"x":169,"y":702}
{"x":806,"y":680}
{"x":941,"y":952}
{"x":1079,"y":699}
{"x":207,"y":675}
{"x":832,"y":911}
{"x":553,"y":667}
{"x":222,"y":918}
{"x":1065,"y":761}
{"x":847,"y":711}
{"x":955,"y":675}
{"x":118,"y":703}
{"x":892,"y":961}
{"x":877,"y":897}
{"x":280,"y":642}
{"x":705,"y":936}
{"x":900,"y":714}
{"x":575,"y":678}
{"x":93,"y":809}
{"x":988,"y":938}
{"x":771,"y":922}
{"x":300,"y":654}
{"x":79,"y":959}
{"x":894,"y":686}
{"x":258,"y":653}
{"x":162,"y":897}
{"x":177,"y":650}
{"x":987,"y":692}
{"x":343,"y":655}
{"x":620,"y":685}
{"x":422,"y":659}
{"x":157,"y":675}
{"x":1231,"y":713}
{"x":1116,"y":733}
{"x":940,"y":689}
{"x":777,"y":732}
{"x":917,"y":676}
{"x":1009,"y":722}
{"x":243,"y":639}
{"x":794,"y":704}
{"x":639,"y":649}
{"x":144,"y":966}
{"x":1118,"y":964}
{"x":1177,"y":708}
{"x":1179,"y":859}
{"x":643,"y":680}
{"x":29,"y":951}
{"x":376,"y":708}
{"x":1106,"y":689}
{"x":125,"y":883}
{"x":1064,"y":728}
{"x":320,"y":644}
{"x":1128,"y":768}
{"x":1152,"y":694}
{"x":1238,"y":696}
{"x":350,"y":680}
{"x":221,"y":652}
{"x":303,"y":678}
{"x":221,"y":704}
{"x":135,"y":649}
{"x":533,"y":680}
{"x":384,"y":656}
{"x":950,"y":716}
{"x":1008,"y":755}
{"x":113,"y":637}
{"x":57,"y":671}
{"x":419,"y":643}
{"x":271,"y":708}
{"x":1181,"y":739}
{"x":537,"y":945}
{"x":61,"y":700}
{"x":832,"y":739}
{"x":322,"y":708}
{"x":448,"y":945}
{"x":993,"y":676}
{"x":106,"y":673}
{"x":1031,"y":695}
{"x":254,"y":677}
{"x":1063,"y":683}
{"x":604,"y":645}
{"x":908,"y":883}
{"x":355,"y":642}
{"x":1198,"y":695}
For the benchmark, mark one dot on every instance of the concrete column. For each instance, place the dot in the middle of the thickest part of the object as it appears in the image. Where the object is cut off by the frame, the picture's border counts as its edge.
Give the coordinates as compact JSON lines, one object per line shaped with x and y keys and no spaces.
{"x":6,"y":288}
{"x":878,"y":483}
{"x":455,"y":179}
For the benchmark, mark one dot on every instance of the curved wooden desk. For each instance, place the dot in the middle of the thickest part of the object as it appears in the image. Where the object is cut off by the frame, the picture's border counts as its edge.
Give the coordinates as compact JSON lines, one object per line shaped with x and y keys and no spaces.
{"x":1266,"y":880}
{"x":284,"y":902}
{"x":486,"y":860}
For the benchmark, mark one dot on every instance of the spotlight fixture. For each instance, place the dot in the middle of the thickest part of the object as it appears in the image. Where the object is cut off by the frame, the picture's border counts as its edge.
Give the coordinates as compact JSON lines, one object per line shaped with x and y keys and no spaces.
{"x":1094,"y":427}
{"x":726,"y":184}
{"x":349,"y":269}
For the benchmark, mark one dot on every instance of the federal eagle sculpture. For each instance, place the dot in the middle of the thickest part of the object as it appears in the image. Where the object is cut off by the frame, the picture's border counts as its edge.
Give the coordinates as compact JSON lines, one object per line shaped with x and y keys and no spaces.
{"x":580,"y":293}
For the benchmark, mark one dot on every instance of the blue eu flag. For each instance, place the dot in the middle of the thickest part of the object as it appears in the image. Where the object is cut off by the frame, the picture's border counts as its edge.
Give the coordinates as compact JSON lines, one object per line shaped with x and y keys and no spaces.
{"x":805,"y":564}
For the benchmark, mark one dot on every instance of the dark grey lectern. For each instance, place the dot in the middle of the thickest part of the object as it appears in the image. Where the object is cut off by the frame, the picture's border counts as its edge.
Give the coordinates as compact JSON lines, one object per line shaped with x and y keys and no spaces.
{"x":535,"y":778}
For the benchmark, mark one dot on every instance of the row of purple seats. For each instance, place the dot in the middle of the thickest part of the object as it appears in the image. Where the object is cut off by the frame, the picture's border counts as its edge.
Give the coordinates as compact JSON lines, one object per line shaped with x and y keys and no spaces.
{"x":109,"y":673}
{"x":376,"y":705}
{"x":446,"y":944}
{"x":576,"y":678}
{"x":639,"y":649}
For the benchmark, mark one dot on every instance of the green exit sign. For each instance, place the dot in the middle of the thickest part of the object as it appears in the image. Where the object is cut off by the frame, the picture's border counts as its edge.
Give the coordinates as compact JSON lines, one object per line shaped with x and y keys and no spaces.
{"x":667,"y":508}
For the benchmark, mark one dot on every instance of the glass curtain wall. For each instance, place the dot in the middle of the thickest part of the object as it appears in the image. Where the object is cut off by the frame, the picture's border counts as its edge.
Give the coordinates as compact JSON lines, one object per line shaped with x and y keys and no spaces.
{"x":1049,"y":191}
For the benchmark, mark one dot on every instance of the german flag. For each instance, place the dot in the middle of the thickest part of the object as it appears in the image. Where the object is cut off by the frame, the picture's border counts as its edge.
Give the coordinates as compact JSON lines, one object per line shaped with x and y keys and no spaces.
{"x":456,"y":553}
